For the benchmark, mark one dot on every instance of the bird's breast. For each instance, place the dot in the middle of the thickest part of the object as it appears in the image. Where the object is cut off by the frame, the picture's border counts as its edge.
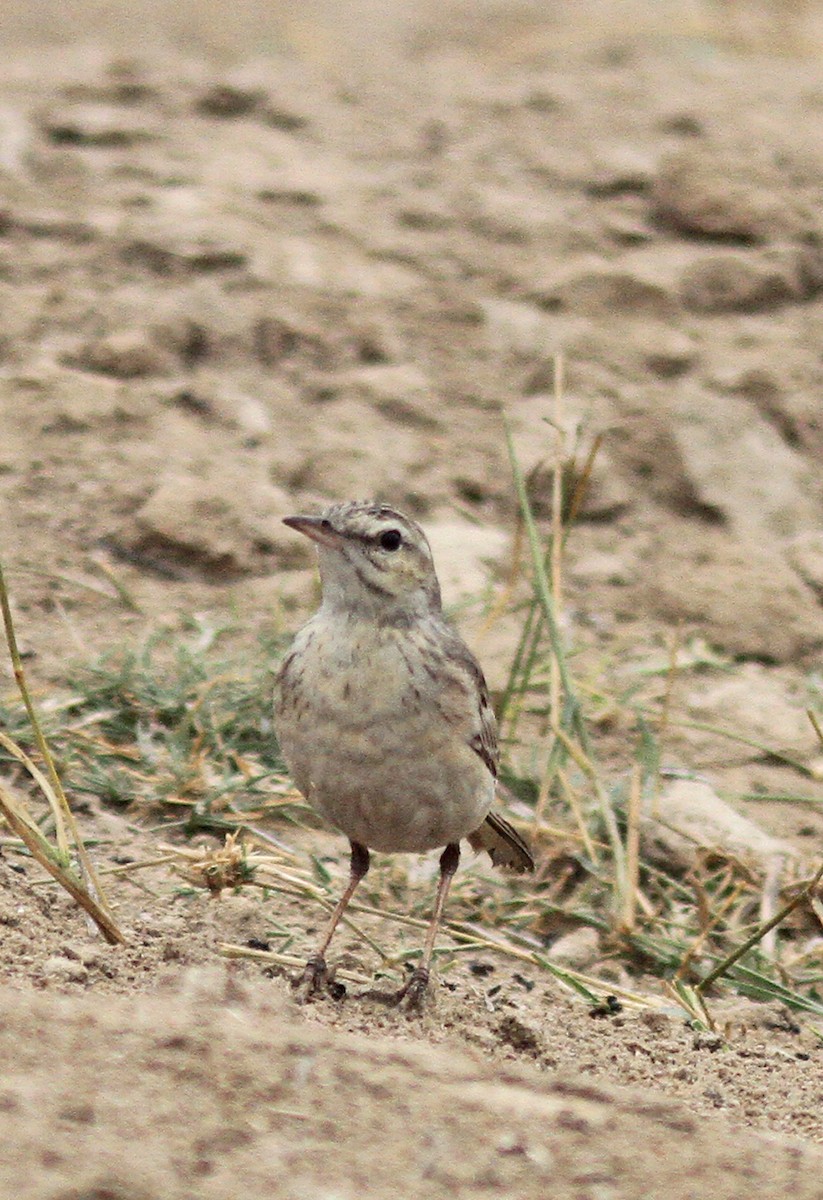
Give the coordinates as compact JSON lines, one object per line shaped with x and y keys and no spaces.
{"x":356,"y":678}
{"x":363,"y":727}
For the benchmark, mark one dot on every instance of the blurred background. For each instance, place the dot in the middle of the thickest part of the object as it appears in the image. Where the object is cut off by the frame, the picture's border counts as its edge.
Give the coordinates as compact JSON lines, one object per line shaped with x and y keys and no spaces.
{"x":350,"y":31}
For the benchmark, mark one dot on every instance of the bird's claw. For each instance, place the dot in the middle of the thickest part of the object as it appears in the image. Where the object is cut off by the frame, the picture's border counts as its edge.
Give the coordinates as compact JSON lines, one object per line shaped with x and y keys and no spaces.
{"x":314,"y":978}
{"x":412,"y":992}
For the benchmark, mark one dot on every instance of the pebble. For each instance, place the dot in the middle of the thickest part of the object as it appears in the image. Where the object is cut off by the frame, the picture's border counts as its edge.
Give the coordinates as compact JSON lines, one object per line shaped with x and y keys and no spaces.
{"x":732,"y":281}
{"x":100,"y":125}
{"x":738,"y":592}
{"x":702,"y":193}
{"x":689,"y":816}
{"x":124,"y":354}
{"x":64,"y":970}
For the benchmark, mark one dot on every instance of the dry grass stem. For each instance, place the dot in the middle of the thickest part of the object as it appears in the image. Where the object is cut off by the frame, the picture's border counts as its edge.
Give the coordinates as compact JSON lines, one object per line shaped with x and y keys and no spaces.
{"x":556,"y":551}
{"x":86,"y":891}
{"x":60,"y":832}
{"x":710,"y":921}
{"x":632,"y":850}
{"x":665,"y":712}
{"x":21,"y":823}
{"x":573,"y":800}
{"x":722,"y":967}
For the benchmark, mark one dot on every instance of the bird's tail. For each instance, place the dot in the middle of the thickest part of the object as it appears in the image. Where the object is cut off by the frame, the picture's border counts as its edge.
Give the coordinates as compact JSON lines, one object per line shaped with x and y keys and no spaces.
{"x":504,"y":844}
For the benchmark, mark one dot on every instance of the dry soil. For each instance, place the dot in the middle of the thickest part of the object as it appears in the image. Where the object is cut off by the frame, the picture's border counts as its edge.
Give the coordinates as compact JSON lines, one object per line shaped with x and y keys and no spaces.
{"x":250,"y":260}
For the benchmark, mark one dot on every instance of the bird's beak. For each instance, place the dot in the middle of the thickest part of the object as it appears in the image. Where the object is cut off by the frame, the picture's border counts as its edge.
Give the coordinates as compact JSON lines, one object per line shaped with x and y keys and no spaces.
{"x":315,"y":528}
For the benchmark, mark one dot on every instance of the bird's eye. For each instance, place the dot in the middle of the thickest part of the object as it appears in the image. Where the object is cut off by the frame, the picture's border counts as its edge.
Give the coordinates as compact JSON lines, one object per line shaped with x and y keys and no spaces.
{"x":391,"y":539}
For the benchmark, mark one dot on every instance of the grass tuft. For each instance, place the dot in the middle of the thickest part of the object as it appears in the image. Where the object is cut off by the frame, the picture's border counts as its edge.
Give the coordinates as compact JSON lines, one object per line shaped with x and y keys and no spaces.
{"x":697,"y":930}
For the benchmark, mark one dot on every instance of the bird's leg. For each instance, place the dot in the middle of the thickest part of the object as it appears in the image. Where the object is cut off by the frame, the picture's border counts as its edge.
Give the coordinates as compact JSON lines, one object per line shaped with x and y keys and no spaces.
{"x":415,"y":988}
{"x":316,"y":972}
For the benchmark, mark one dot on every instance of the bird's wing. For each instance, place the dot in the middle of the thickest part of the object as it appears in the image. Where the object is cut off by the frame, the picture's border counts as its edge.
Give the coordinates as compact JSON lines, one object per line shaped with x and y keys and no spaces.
{"x":484,"y":742}
{"x":464,"y":697}
{"x":504,"y":844}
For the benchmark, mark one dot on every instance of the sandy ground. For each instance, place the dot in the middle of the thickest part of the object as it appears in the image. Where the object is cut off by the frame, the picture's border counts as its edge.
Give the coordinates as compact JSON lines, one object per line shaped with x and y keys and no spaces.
{"x":252,"y":262}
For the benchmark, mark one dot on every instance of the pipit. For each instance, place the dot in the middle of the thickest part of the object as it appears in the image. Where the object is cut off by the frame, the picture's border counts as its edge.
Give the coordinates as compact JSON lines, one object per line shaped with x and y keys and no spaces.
{"x":383,"y":714}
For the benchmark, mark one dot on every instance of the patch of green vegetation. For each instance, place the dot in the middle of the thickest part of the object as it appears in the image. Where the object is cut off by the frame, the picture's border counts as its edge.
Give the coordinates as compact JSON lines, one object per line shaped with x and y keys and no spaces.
{"x":175,"y":726}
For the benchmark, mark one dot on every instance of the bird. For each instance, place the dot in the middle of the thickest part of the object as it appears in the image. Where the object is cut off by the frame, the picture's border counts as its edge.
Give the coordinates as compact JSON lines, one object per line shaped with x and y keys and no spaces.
{"x":383,"y":715}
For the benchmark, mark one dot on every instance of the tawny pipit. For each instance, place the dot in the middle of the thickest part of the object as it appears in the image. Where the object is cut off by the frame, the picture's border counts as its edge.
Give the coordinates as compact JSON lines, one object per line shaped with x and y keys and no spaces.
{"x":383,"y":714}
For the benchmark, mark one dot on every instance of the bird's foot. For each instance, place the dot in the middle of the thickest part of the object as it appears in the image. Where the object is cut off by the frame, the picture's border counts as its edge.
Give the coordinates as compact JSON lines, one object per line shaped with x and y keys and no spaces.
{"x":412,"y":992}
{"x":314,"y":978}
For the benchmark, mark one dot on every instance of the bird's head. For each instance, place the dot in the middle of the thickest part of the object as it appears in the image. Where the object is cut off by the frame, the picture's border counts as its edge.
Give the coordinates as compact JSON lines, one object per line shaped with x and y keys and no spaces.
{"x":374,"y":561}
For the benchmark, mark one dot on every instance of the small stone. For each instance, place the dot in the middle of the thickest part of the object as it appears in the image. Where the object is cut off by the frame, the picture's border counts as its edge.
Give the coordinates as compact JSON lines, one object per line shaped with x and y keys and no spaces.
{"x":400,"y":391}
{"x":79,"y":1112}
{"x":211,"y":398}
{"x":274,"y":339}
{"x":705,"y":1040}
{"x":627,"y":229}
{"x":741,"y":595}
{"x":423,"y":213}
{"x":732,"y":281}
{"x":758,"y":384}
{"x":657,"y":1022}
{"x":299,"y":183}
{"x":621,"y":169}
{"x":508,"y":215}
{"x":518,"y":1034}
{"x":281,"y":115}
{"x":682,"y":124}
{"x":225,"y":101}
{"x":126,"y":354}
{"x":579,"y":948}
{"x":670,"y":353}
{"x":99,"y":125}
{"x":216,"y":522}
{"x":689,"y":817}
{"x":64,"y":970}
{"x":739,"y":466}
{"x":751,"y":699}
{"x":166,"y":245}
{"x":606,"y":292}
{"x":70,"y":401}
{"x":91,"y":955}
{"x":704,"y":194}
{"x":51,"y":223}
{"x":279,"y":96}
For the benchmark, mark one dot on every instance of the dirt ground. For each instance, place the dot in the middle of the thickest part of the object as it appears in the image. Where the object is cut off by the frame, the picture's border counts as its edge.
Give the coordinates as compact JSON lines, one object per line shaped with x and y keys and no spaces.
{"x":251,"y":261}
